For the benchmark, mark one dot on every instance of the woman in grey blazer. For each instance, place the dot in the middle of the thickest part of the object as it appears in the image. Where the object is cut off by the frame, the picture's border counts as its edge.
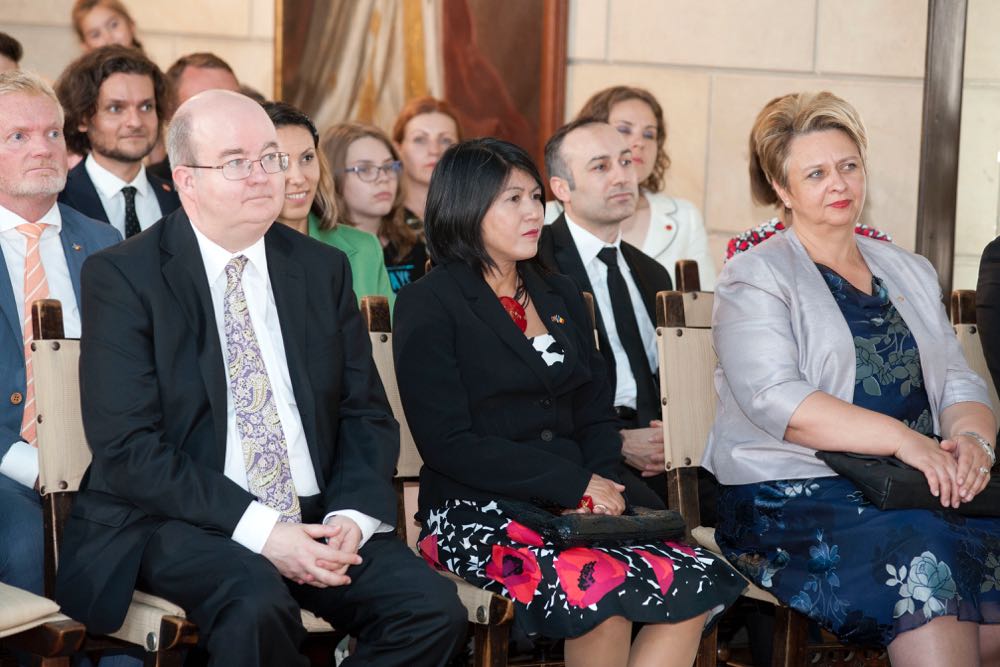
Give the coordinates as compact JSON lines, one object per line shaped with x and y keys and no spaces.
{"x":831,"y":341}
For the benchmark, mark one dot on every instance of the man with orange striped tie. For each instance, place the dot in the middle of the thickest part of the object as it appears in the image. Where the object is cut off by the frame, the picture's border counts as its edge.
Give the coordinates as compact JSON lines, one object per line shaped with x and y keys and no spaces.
{"x":43,"y":247}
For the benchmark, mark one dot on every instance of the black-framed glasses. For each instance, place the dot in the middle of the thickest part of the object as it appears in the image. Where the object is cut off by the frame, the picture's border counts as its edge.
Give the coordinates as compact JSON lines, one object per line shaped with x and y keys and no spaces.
{"x":368,"y":172}
{"x":240,"y":168}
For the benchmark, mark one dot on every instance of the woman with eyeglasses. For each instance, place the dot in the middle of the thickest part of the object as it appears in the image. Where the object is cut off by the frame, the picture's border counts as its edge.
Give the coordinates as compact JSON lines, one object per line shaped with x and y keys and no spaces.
{"x":366,"y":171}
{"x":311,"y":207}
{"x":424,"y":130}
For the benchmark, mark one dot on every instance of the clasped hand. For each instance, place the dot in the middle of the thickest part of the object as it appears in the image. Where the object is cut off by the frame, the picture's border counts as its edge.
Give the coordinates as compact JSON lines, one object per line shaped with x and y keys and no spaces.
{"x":952,"y":469}
{"x":643,"y":448}
{"x":606,"y":495}
{"x":295,"y":549}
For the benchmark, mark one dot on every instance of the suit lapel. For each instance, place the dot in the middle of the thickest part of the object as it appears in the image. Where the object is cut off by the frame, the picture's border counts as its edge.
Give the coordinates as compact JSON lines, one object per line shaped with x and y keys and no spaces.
{"x":568,"y":262}
{"x":642,"y":280}
{"x":486,"y":307}
{"x":288,"y":281}
{"x":165,"y":195}
{"x":85,"y":193}
{"x":184,"y":273}
{"x":8,"y":304}
{"x":553,"y":312}
{"x":75,"y":248}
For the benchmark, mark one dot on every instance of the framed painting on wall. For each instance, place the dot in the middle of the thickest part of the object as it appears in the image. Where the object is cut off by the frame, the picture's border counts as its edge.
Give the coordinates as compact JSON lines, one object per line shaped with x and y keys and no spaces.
{"x":501,"y":65}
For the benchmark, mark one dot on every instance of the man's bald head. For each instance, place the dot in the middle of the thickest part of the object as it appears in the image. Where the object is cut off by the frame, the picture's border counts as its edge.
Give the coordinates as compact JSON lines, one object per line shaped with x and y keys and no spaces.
{"x":199,"y":115}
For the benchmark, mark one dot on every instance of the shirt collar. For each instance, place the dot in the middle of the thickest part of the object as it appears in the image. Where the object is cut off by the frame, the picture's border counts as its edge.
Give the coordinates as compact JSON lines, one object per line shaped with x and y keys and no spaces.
{"x":9,"y":220}
{"x":215,"y":257}
{"x":587,"y":244}
{"x":109,"y":185}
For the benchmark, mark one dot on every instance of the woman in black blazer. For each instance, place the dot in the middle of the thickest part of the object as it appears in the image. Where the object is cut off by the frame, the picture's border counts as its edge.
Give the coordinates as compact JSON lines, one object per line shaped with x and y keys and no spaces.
{"x":507,"y":399}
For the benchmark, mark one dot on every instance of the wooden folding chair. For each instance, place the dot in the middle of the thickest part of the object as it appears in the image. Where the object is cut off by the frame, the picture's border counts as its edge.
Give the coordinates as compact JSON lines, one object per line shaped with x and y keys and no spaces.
{"x":156,"y":625}
{"x":490,"y":615}
{"x":32,"y":625}
{"x":963,"y":318}
{"x":687,"y":393}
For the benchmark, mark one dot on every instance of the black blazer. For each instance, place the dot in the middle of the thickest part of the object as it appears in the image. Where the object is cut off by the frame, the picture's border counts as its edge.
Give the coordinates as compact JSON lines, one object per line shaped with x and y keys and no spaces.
{"x":81,"y":194}
{"x":490,"y":419}
{"x":988,"y":307}
{"x":557,"y":251}
{"x":153,"y":389}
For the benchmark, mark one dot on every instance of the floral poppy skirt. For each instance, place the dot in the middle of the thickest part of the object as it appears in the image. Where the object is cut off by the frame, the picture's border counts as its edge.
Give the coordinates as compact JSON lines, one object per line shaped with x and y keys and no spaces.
{"x":862,"y":573}
{"x":566,"y":593}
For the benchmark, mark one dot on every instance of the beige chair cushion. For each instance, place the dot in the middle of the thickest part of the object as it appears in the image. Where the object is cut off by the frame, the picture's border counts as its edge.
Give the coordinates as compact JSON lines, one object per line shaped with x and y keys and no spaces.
{"x":706,"y":538}
{"x":21,"y":610}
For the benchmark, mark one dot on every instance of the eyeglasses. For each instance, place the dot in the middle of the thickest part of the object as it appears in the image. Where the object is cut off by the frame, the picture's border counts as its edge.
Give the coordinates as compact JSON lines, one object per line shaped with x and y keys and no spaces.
{"x":240,"y":168}
{"x":368,"y":172}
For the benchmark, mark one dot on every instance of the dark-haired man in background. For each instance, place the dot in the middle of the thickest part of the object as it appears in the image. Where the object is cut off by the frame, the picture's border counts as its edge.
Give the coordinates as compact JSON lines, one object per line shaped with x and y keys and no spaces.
{"x":10,"y":53}
{"x":114,"y":99}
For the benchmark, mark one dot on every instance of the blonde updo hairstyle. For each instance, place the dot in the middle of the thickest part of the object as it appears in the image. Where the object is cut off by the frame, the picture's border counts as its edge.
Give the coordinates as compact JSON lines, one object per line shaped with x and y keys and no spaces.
{"x":786,"y":117}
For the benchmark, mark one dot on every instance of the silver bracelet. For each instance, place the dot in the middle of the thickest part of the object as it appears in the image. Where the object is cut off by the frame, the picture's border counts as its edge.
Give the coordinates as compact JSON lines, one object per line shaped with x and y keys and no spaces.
{"x":982,"y":442}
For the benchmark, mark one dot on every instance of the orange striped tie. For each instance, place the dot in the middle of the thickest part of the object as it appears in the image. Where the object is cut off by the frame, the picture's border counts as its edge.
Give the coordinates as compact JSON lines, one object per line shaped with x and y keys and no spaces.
{"x":35,"y":287}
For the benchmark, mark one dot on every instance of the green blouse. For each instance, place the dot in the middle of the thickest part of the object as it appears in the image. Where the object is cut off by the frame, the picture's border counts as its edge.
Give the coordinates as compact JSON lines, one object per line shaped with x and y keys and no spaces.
{"x":364,"y":252}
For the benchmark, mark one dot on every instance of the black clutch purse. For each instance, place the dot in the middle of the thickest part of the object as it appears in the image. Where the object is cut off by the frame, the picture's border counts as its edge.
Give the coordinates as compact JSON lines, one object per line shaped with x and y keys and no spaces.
{"x":890,"y":484}
{"x":576,"y":530}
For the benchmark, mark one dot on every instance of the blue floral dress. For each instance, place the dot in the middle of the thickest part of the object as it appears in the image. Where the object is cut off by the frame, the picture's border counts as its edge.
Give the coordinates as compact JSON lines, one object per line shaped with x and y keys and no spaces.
{"x":817,"y":544}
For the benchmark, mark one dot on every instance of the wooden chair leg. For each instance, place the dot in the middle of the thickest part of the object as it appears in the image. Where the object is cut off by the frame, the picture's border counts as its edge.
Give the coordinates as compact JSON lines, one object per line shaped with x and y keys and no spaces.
{"x":708,"y":649}
{"x":790,"y":628}
{"x":491,"y":642}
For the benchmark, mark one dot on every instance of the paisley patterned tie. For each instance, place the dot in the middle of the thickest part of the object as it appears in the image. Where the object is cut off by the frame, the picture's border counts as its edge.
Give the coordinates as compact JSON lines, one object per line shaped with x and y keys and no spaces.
{"x":265,"y":451}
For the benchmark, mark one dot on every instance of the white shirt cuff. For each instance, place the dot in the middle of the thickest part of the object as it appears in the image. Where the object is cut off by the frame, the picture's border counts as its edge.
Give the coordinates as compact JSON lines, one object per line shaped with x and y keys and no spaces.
{"x":20,"y":463}
{"x":255,"y":526}
{"x":368,"y":525}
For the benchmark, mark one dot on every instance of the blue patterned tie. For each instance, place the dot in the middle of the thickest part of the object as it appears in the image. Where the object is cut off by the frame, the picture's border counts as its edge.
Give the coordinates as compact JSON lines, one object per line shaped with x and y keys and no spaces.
{"x":265,"y":451}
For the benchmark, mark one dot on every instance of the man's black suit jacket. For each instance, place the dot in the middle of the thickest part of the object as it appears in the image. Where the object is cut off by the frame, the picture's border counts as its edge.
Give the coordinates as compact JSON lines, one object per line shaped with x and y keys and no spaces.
{"x":153,"y":385}
{"x":557,"y":251}
{"x":81,"y":194}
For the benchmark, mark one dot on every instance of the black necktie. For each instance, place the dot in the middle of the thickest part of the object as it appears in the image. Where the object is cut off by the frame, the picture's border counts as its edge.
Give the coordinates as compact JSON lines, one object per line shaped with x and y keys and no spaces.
{"x":131,"y":217}
{"x":647,"y":399}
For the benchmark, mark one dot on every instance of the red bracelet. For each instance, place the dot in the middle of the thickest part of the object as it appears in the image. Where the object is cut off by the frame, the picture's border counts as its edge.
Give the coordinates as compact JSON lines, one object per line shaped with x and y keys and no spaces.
{"x":586,"y":503}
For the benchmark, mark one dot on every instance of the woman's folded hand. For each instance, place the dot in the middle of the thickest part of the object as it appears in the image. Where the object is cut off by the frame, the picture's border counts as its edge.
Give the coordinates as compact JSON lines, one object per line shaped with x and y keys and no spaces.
{"x":938,"y":464}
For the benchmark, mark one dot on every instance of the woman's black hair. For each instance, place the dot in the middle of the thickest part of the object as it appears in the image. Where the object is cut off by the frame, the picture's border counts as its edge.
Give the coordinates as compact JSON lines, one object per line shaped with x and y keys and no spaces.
{"x":283,"y":114}
{"x":465,"y":183}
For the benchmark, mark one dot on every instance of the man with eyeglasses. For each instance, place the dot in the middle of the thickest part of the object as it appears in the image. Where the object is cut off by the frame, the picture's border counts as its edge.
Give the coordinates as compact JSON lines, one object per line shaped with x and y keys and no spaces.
{"x":243,"y":444}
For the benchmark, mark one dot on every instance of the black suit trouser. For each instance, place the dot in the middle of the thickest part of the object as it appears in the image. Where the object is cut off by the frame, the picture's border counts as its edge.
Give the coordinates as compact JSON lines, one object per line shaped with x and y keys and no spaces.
{"x":401,"y":611}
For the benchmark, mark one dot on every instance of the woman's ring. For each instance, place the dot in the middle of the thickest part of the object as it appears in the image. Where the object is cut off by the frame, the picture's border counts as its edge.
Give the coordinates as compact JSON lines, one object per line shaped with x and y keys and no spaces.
{"x":603,"y":508}
{"x":983,"y":470}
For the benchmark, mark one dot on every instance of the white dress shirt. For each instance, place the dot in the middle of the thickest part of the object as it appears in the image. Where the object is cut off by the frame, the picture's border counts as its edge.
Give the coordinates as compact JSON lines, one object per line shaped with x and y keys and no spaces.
{"x":588,"y":246}
{"x":258,"y":520}
{"x":20,"y":463}
{"x":109,"y":190}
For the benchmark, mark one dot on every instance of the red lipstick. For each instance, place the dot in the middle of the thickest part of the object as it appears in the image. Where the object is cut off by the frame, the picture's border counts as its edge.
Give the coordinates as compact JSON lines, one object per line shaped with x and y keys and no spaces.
{"x":843,"y":203}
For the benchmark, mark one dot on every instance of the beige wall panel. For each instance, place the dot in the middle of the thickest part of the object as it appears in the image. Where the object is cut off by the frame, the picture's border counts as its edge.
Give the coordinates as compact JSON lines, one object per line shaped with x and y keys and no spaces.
{"x":230,"y":18}
{"x":891,"y":112}
{"x":262,"y":18}
{"x":764,"y":34}
{"x":717,"y":242}
{"x":45,"y":12}
{"x":588,"y":23}
{"x":976,"y":214}
{"x":47,"y":49}
{"x":684,"y":97}
{"x":982,"y":55}
{"x":872,"y":37}
{"x":966,"y":272}
{"x":252,"y":60}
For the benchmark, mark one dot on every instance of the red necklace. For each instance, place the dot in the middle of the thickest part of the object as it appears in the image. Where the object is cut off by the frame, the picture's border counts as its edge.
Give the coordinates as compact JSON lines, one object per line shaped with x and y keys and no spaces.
{"x":515,"y":305}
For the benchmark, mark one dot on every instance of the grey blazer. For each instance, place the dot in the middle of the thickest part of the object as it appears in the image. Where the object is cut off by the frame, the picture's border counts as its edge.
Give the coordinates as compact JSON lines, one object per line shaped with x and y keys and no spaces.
{"x":780,"y":336}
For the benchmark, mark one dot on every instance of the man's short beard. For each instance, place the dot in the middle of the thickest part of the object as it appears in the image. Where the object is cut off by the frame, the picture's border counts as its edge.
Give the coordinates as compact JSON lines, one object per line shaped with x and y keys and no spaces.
{"x":51,"y":185}
{"x":113,"y":153}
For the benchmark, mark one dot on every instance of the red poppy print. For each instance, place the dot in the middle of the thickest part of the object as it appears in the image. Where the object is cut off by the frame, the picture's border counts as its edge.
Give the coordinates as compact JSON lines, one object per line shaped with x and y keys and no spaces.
{"x":517,"y":570}
{"x":663,"y":568}
{"x":429,"y":550}
{"x":588,"y":575}
{"x":683,"y":548}
{"x":524,"y":535}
